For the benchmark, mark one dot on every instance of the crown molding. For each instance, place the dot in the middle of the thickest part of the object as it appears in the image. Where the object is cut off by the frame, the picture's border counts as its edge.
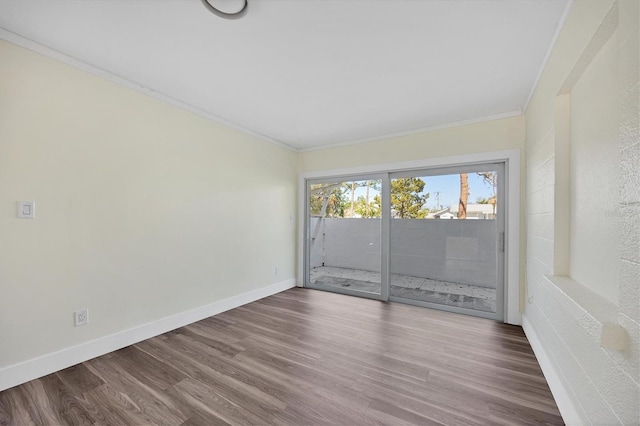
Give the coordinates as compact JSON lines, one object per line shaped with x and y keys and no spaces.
{"x":552,"y":45}
{"x":461,"y":123}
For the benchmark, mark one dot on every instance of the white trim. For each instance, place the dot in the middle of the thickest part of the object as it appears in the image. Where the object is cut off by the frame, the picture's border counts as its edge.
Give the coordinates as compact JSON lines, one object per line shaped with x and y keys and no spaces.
{"x":302,"y":224}
{"x":512,"y":246}
{"x":458,"y":160}
{"x":512,"y":313}
{"x":114,"y":78}
{"x":552,"y":45}
{"x":568,"y":410}
{"x":416,"y":131}
{"x":16,"y":374}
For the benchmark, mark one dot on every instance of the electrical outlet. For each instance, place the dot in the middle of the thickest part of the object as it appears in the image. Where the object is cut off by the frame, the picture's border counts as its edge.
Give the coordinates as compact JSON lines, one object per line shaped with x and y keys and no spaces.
{"x":81,"y":317}
{"x":277,"y":270}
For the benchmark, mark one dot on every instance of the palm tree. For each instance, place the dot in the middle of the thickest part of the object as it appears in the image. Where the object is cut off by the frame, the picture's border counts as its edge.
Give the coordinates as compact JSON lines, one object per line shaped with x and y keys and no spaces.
{"x":464,"y":196}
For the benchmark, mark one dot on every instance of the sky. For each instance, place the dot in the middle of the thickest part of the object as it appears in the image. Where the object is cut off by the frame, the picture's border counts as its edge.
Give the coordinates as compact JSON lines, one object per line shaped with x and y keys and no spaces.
{"x":448,"y":187}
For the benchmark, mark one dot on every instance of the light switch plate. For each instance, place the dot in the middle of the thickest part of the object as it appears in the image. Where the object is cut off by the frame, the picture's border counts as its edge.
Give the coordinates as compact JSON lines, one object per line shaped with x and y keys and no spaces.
{"x":26,"y":209}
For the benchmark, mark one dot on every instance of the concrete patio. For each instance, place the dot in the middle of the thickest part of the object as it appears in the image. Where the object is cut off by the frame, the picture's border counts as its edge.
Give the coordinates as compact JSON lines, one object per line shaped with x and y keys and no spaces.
{"x":408,"y":287}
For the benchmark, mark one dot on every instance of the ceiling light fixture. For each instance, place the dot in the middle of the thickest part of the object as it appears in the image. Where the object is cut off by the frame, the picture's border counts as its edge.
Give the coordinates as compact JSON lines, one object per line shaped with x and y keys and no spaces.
{"x":226,"y":15}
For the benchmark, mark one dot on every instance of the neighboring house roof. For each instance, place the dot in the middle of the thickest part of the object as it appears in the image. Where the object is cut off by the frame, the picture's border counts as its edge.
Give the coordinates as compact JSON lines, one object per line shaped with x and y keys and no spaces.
{"x":475,"y":208}
{"x":472,"y":210}
{"x":439,"y":214}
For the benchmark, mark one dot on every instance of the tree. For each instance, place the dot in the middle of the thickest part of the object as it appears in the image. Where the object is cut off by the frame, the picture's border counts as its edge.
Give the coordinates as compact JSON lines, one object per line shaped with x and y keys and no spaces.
{"x":335,"y":197}
{"x":372,"y":184}
{"x":407,"y":198}
{"x":491,"y":179}
{"x":368,"y":209}
{"x":464,"y":196}
{"x":352,"y":187}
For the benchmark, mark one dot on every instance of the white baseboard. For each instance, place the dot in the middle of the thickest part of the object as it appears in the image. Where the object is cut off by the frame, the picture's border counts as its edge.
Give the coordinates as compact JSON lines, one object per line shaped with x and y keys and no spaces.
{"x":567,"y":408}
{"x":22,"y":372}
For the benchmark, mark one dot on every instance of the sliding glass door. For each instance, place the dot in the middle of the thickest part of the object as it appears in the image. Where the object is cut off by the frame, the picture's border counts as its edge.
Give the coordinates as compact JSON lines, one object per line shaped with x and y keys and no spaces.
{"x":432,"y":237}
{"x":448,"y":255}
{"x":344,"y":231}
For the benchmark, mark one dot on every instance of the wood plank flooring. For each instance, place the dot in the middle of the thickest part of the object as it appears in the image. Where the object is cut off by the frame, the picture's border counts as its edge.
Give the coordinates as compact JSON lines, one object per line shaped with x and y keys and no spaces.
{"x":303,"y":357}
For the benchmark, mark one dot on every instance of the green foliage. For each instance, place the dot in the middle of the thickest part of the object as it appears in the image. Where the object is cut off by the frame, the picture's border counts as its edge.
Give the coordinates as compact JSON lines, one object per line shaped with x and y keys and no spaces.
{"x":407,"y":198}
{"x":336,"y":200}
{"x":365,"y":206}
{"x":374,"y":206}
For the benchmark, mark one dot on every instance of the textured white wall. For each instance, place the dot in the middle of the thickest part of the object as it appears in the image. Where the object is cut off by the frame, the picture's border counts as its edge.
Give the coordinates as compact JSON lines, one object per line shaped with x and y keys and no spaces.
{"x":594,"y":158}
{"x":460,"y":251}
{"x":601,"y":386}
{"x":143,"y":210}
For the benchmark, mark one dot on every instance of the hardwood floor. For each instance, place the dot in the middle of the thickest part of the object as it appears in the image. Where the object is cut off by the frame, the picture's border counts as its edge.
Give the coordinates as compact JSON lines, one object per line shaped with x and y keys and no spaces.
{"x":303,"y":357}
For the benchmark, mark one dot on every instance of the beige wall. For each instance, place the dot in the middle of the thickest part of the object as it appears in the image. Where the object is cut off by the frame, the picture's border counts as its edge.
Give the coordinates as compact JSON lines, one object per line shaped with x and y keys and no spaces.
{"x":565,"y":316}
{"x":143,"y":210}
{"x":495,"y":135}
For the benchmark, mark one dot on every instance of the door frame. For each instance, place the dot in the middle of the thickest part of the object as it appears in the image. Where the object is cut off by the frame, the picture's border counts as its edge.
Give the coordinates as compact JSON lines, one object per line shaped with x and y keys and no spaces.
{"x":512,"y":200}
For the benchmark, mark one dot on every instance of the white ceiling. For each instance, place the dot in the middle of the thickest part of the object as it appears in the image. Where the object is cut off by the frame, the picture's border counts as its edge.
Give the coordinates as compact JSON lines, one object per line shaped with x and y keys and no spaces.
{"x":309,"y":73}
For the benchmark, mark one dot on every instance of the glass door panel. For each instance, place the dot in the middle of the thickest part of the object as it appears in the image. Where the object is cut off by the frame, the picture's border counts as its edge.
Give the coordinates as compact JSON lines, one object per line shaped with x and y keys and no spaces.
{"x":344,"y":235}
{"x":444,"y":239}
